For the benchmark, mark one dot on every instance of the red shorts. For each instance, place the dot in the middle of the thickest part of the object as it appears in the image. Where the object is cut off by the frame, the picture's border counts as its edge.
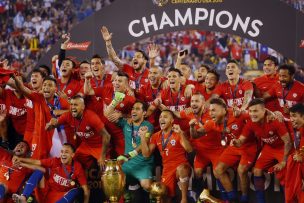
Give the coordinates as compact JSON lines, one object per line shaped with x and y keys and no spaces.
{"x":169,"y":178}
{"x":293,"y":181}
{"x":245,"y":155}
{"x":85,"y":154}
{"x":205,"y":156}
{"x":268,"y":157}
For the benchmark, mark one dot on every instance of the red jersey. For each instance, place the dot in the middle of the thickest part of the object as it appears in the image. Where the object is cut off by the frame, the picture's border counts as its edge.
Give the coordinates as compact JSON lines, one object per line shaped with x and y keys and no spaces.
{"x":106,"y":80}
{"x":202,"y":89}
{"x":233,"y":127}
{"x":265,"y":84}
{"x":71,"y":88}
{"x":288,"y":96}
{"x":148,"y":94}
{"x":11,"y":176}
{"x":16,"y":110}
{"x":136,"y":80}
{"x":42,"y":139}
{"x":60,"y":180}
{"x":269,"y":133}
{"x":173,"y":154}
{"x":233,"y":94}
{"x":87,"y":128}
{"x":210,"y":140}
{"x":107,"y":94}
{"x":176,"y":102}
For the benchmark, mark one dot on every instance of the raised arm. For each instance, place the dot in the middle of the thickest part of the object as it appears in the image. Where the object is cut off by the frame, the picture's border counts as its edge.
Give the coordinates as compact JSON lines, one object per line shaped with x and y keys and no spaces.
{"x":20,"y":86}
{"x":153,"y":50}
{"x":87,"y":87}
{"x":107,"y":37}
{"x":180,"y":56}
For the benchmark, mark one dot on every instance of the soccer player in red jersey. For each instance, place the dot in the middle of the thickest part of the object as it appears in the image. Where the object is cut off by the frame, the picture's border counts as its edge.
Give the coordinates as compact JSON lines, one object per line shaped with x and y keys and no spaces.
{"x":65,"y":179}
{"x":88,"y":127}
{"x":173,"y":145}
{"x":138,"y":72}
{"x":265,"y":82}
{"x":294,"y":178}
{"x":149,"y":92}
{"x":12,"y":178}
{"x":67,"y":85}
{"x":16,"y":111}
{"x":37,"y":77}
{"x":202,"y":72}
{"x":236,"y":91}
{"x":229,"y":127}
{"x":172,"y":98}
{"x":84,"y":67}
{"x":184,"y":69}
{"x":211,"y":80}
{"x":288,"y":91}
{"x":276,"y":141}
{"x":100,"y":78}
{"x":114,"y":107}
{"x":207,"y":147}
{"x":46,"y":106}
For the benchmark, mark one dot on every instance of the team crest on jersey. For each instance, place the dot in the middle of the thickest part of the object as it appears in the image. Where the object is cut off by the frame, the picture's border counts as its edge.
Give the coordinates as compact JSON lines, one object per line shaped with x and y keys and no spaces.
{"x":294,"y":95}
{"x":271,"y":132}
{"x":173,"y":142}
{"x":183,"y":98}
{"x":234,"y":127}
{"x":69,"y":91}
{"x":240,"y":91}
{"x":121,"y":105}
{"x":87,"y":127}
{"x":146,"y":80}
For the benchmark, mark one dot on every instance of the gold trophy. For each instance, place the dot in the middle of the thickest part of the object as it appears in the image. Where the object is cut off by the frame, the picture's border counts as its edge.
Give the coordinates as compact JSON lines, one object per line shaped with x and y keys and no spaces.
{"x":158,"y":191}
{"x":206,"y":197}
{"x":113,"y":180}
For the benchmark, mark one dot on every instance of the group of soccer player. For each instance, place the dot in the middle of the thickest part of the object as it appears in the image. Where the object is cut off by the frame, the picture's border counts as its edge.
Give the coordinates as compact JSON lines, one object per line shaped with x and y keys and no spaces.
{"x":80,"y":116}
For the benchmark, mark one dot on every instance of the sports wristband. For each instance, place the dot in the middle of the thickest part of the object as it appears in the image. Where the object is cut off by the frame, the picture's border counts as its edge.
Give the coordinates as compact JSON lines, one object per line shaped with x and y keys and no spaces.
{"x":133,"y":153}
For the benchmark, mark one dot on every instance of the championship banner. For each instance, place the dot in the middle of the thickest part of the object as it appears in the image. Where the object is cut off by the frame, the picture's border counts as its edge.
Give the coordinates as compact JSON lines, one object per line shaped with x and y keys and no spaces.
{"x":272,"y":23}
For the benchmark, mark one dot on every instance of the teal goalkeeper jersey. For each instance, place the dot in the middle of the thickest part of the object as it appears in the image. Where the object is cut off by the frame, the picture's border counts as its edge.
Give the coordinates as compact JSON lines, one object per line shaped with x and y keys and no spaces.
{"x":132,"y":139}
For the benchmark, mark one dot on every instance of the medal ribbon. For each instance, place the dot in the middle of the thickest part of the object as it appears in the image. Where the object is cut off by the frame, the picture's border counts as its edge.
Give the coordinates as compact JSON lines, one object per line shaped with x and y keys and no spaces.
{"x":164,"y":144}
{"x":68,"y":175}
{"x":177,"y":100}
{"x":137,"y":81}
{"x":102,"y":81}
{"x":77,"y":127}
{"x":287,"y":90}
{"x":158,"y":89}
{"x":224,"y":129}
{"x":56,"y":106}
{"x":233,"y":94}
{"x":297,"y":138}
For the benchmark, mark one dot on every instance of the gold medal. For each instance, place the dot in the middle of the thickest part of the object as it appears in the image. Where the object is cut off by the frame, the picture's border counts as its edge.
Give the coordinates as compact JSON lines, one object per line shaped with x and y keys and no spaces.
{"x":72,"y":183}
{"x":6,"y":175}
{"x":134,"y":145}
{"x":223,"y":142}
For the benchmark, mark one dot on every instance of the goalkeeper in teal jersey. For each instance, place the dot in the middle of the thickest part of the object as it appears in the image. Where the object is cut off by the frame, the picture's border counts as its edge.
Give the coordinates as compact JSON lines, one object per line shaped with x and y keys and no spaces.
{"x":136,"y":166}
